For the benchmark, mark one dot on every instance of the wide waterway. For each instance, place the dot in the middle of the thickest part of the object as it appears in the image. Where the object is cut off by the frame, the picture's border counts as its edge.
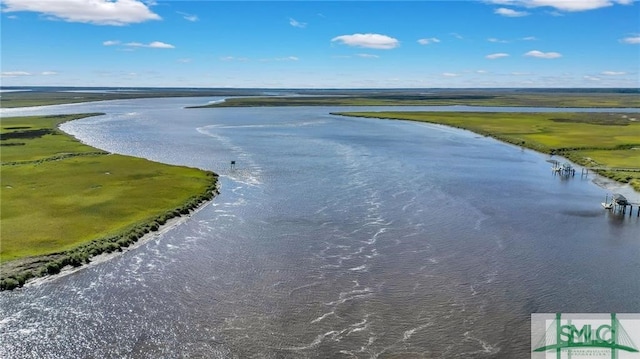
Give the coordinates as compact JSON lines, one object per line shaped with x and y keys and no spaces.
{"x":333,"y":237}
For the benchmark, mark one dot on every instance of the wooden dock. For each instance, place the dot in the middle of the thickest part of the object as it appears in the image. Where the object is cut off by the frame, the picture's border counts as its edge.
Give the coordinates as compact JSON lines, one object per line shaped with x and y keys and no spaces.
{"x":565,"y":169}
{"x":616,"y":202}
{"x":619,"y":203}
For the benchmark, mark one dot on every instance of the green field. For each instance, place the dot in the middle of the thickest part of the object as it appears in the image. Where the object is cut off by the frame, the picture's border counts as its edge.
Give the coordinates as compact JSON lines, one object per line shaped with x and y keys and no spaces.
{"x":63,"y":202}
{"x":609,"y":140}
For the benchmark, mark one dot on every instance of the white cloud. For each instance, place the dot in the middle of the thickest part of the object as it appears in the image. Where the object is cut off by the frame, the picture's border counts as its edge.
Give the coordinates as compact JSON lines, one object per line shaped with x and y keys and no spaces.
{"x":502,"y":2}
{"x":99,"y":12}
{"x":450,"y":74}
{"x":111,"y":43}
{"x":482,"y":71}
{"x":184,"y":61}
{"x":543,"y":55}
{"x":457,"y":36}
{"x":160,"y":45}
{"x":48,"y":73}
{"x":288,"y":58}
{"x":368,"y":56}
{"x":576,"y":5}
{"x":591,"y":78}
{"x":233,"y":58}
{"x":154,"y":45}
{"x":188,"y":17}
{"x":295,"y":23}
{"x":510,"y":12}
{"x":14,"y":73}
{"x":493,"y":39}
{"x":246,"y":59}
{"x":371,"y":41}
{"x":529,"y":38}
{"x":613,"y":73}
{"x":496,"y":56}
{"x":562,"y":5}
{"x":632,"y":40}
{"x":429,"y":40}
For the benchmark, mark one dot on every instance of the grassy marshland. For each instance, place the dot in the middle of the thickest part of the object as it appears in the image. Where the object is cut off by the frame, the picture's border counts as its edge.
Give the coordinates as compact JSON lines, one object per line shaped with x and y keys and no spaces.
{"x":445,"y":98}
{"x":63,"y":202}
{"x":610,"y":140}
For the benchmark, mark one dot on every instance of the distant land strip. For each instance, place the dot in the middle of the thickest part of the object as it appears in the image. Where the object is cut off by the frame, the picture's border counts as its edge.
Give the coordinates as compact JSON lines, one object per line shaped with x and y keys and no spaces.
{"x":593,"y":97}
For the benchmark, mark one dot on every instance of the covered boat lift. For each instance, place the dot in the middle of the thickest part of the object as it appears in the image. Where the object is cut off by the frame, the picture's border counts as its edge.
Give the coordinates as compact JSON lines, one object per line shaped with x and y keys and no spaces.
{"x":619,"y":203}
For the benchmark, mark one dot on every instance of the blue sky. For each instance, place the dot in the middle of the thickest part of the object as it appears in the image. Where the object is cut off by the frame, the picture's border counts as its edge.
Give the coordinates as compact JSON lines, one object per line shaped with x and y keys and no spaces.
{"x":321,"y":44}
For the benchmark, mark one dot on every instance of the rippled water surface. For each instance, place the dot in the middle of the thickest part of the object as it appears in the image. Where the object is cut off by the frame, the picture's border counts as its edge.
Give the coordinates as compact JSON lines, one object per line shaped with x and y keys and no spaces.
{"x":333,"y":237}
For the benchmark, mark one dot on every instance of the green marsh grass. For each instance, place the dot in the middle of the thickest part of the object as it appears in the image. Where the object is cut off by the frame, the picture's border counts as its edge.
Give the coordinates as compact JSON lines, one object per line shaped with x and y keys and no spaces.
{"x":75,"y":201}
{"x":20,"y":139}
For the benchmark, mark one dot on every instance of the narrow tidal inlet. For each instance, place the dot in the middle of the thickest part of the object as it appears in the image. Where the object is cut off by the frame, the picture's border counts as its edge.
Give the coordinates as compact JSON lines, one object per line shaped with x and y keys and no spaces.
{"x":333,"y":237}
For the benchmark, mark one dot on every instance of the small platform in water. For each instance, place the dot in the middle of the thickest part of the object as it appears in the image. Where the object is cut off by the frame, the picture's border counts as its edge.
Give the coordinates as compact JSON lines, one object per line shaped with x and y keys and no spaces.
{"x":607,"y":205}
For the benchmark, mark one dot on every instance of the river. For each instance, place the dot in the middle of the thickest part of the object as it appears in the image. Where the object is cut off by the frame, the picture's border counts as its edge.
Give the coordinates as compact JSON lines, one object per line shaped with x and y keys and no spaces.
{"x":333,"y":237}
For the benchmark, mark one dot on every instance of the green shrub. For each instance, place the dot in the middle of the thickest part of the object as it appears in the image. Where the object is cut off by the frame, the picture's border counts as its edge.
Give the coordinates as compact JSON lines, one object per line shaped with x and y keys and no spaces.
{"x":8,"y":284}
{"x":23,"y":277}
{"x":110,"y":247}
{"x":124,"y":242}
{"x":53,"y":267}
{"x":75,"y":260}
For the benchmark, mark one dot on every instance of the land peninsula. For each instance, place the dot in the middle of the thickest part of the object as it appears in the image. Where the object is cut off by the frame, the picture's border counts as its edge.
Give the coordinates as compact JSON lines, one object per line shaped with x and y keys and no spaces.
{"x":63,"y":202}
